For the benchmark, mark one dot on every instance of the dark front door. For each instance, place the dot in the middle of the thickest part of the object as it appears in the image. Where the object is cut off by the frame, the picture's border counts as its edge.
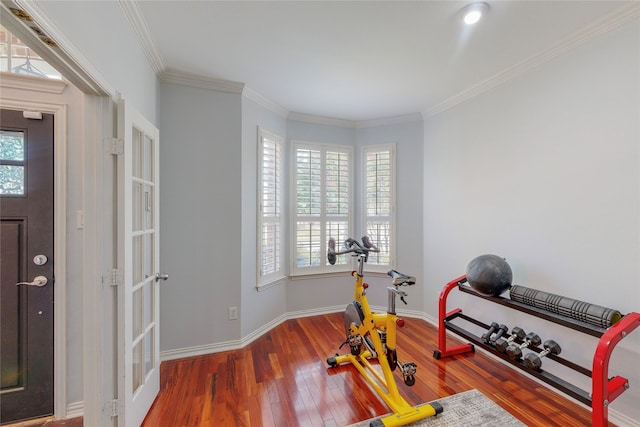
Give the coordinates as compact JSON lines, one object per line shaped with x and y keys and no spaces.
{"x":26,"y":262}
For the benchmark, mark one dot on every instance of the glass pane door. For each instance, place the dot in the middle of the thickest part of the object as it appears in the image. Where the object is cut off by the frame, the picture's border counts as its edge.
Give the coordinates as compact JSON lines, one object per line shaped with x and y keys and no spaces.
{"x":139,"y":301}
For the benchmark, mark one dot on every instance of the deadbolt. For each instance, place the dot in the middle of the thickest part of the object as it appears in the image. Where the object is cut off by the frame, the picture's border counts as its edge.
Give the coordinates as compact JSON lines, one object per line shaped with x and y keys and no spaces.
{"x":40,"y":259}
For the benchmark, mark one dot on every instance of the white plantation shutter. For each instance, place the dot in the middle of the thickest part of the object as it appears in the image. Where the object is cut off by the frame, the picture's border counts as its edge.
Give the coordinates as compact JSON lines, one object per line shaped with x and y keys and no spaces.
{"x":322,"y":205}
{"x":270,"y":199}
{"x":379,"y":203}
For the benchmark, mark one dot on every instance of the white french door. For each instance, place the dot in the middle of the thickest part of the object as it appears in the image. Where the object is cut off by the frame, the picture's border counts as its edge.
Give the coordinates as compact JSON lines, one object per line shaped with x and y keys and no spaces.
{"x":138,"y":262}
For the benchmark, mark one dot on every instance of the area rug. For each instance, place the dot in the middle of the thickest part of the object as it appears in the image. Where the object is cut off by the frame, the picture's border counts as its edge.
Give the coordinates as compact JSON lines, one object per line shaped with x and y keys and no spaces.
{"x":469,"y":409}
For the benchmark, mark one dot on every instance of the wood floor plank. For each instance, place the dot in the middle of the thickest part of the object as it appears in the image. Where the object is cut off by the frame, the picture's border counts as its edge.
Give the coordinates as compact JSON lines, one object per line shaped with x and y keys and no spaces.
{"x":282,"y":379}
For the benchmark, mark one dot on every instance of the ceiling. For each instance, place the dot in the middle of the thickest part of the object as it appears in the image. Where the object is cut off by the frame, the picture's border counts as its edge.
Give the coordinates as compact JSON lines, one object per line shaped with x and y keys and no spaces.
{"x":366,"y":60}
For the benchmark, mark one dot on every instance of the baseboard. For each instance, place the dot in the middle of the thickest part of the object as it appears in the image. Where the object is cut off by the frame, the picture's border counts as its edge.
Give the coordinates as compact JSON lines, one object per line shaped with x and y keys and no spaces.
{"x":75,"y":409}
{"x":315,"y":312}
{"x":199,"y":350}
{"x":182,"y":353}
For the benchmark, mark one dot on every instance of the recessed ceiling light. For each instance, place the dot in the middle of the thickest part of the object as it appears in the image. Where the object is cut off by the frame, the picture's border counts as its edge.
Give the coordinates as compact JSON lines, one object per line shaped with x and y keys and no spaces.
{"x":473,"y":13}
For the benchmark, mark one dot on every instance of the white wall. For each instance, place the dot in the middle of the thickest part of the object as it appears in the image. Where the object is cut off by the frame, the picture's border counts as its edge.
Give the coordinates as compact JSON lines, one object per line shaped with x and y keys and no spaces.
{"x":101,"y":33}
{"x":408,"y":138}
{"x":258,"y":308}
{"x":545,"y":172}
{"x":200,"y":204}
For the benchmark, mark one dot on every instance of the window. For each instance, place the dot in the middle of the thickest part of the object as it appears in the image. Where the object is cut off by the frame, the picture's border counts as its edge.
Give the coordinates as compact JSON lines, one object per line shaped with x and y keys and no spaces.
{"x":322,"y":205}
{"x":270,"y":209}
{"x":16,"y":57}
{"x":12,"y":163}
{"x":379,"y":203}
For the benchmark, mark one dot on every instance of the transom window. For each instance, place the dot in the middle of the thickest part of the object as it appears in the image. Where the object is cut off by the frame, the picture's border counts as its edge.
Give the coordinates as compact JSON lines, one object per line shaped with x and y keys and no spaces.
{"x":18,"y":58}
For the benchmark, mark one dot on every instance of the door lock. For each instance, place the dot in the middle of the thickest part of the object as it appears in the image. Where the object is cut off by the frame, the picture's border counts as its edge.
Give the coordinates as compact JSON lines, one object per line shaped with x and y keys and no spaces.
{"x":38,"y":281}
{"x":161,"y":277}
{"x":40,"y":259}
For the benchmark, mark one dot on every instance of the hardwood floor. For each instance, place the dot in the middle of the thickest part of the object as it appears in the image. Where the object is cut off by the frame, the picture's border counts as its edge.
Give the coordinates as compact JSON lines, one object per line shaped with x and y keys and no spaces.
{"x":282,"y":379}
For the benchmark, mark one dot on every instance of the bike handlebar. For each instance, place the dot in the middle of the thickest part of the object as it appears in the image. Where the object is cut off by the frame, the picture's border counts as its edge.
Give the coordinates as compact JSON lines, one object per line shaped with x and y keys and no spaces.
{"x":351,"y":246}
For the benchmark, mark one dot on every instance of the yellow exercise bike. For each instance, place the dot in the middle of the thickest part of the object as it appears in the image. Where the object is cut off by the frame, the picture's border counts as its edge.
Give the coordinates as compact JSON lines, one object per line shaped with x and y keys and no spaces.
{"x":373,"y":336}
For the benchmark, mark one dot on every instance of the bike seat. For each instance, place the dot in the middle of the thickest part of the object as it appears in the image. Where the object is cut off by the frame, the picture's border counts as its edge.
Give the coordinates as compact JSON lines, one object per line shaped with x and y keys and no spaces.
{"x":400,"y":279}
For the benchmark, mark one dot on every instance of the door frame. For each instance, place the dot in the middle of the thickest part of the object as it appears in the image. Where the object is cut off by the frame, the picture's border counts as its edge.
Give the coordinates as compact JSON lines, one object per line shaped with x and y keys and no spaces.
{"x":59,"y":112}
{"x":99,"y":372}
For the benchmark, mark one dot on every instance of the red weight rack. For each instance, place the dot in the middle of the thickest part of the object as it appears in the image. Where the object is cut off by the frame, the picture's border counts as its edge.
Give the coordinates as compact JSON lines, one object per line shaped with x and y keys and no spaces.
{"x":604,"y":390}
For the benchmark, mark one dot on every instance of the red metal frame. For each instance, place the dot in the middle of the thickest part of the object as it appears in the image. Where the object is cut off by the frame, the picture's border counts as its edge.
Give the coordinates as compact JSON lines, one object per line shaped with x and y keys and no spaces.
{"x":603,"y":390}
{"x":442,"y":315}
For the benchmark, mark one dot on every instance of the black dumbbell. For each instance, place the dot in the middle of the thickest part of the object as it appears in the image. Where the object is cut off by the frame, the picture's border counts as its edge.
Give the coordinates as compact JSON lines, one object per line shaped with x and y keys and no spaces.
{"x":514,"y":351}
{"x":502,"y":344}
{"x":502,"y":329}
{"x":532,"y":360}
{"x":492,"y":329}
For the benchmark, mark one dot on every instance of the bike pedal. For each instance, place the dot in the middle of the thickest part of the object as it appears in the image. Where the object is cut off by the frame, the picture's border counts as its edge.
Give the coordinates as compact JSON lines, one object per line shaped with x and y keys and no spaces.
{"x":409,"y":368}
{"x":354,"y":340}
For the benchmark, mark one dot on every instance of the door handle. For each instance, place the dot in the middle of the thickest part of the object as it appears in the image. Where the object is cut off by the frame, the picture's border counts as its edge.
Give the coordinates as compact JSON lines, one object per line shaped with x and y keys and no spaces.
{"x":161,"y":277}
{"x":38,"y":281}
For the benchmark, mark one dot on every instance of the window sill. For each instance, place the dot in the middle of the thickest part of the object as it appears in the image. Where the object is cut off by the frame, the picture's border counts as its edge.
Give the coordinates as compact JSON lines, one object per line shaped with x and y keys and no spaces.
{"x":301,"y":276}
{"x":270,"y":284}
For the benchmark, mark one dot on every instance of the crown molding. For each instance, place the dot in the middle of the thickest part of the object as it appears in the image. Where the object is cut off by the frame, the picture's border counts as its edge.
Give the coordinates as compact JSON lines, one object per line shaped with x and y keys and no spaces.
{"x":134,"y":16}
{"x":320,"y":120}
{"x":200,"y":82}
{"x":601,"y":26}
{"x":355,"y":124}
{"x":264,"y":102}
{"x":407,"y":118}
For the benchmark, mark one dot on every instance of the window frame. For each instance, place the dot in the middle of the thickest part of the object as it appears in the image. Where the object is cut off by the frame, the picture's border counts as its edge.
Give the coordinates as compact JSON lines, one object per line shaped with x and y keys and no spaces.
{"x":265,"y":280}
{"x":324,"y":268}
{"x":372,"y":266}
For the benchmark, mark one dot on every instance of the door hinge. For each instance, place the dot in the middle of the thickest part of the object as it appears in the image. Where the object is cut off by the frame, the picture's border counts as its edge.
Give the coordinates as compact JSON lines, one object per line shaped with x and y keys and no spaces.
{"x":111,"y":408}
{"x":114,"y":146}
{"x":114,"y":278}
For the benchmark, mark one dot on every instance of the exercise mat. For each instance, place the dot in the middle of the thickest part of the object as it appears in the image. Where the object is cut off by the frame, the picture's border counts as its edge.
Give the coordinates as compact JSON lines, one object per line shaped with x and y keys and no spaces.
{"x":589,"y":313}
{"x":467,"y":409}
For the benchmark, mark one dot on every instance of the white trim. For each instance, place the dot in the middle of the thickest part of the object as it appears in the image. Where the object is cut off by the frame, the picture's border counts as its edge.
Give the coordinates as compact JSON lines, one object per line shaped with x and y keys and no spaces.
{"x":238,"y":344}
{"x":609,"y":22}
{"x":201,"y":82}
{"x":270,"y":284}
{"x":59,"y":247}
{"x":354,"y":124}
{"x":75,"y":409}
{"x":98,"y":301}
{"x":329,"y":121}
{"x":135,"y":17}
{"x":200,"y":350}
{"x":407,"y":118}
{"x":32,"y":83}
{"x":265,"y":102}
